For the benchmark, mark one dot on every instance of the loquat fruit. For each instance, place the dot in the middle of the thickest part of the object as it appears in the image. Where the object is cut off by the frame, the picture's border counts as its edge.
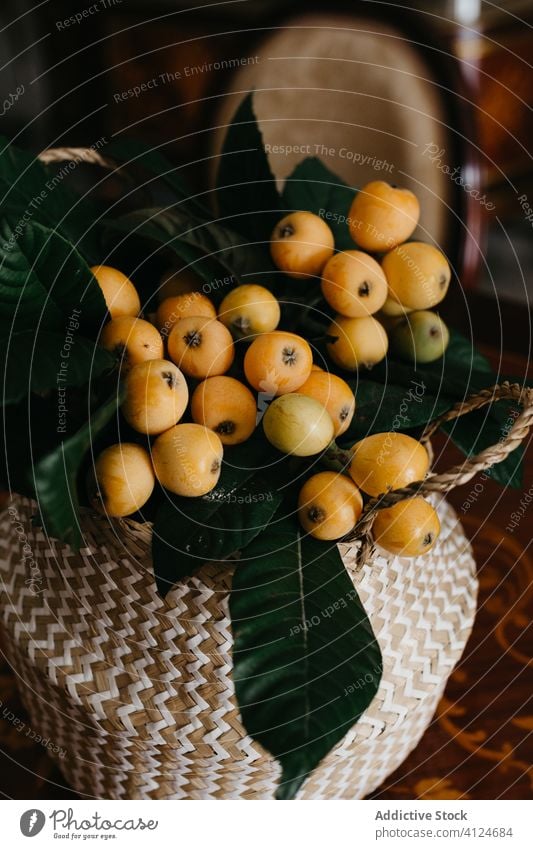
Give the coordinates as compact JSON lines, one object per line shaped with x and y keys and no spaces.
{"x":360,"y":342}
{"x":119,"y":292}
{"x":124,"y":479}
{"x":334,"y":394}
{"x":408,"y":529}
{"x":392,"y":308}
{"x":227,"y":407}
{"x":187,"y":459}
{"x":172,"y":309}
{"x":420,"y":338}
{"x":178,"y":281}
{"x":278,"y":362}
{"x":132,"y":339}
{"x":418,"y":275}
{"x":156,"y":396}
{"x":201,"y":346}
{"x":301,"y":244}
{"x":385,"y":461}
{"x":354,"y":284}
{"x":299,"y":425}
{"x":249,"y":310}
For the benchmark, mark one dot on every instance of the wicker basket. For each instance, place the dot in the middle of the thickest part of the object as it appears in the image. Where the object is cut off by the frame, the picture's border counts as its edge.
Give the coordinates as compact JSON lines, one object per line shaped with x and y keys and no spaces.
{"x":138,"y":692}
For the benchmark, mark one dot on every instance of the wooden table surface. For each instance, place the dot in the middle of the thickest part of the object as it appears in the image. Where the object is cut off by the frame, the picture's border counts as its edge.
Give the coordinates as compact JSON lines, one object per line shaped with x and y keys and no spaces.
{"x":479,"y":744}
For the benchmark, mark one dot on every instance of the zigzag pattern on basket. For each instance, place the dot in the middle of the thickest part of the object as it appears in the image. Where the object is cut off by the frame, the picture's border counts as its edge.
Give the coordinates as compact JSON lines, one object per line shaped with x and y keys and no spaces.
{"x":138,"y":691}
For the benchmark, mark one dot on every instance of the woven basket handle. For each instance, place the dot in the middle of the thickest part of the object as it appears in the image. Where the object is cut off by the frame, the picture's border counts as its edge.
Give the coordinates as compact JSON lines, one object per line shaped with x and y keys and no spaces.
{"x":74,"y":154}
{"x":462,"y":472}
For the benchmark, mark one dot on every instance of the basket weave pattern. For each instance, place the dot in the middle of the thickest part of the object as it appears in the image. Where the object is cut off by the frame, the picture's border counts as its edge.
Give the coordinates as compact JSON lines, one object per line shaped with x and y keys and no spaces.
{"x":138,"y":691}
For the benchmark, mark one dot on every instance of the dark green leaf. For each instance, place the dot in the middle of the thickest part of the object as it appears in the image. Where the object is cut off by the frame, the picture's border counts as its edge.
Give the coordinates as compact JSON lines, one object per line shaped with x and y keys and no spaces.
{"x":459,"y":373}
{"x":190,"y":238}
{"x":38,"y":361}
{"x":478,"y":430}
{"x":461,"y":354}
{"x":44,"y":280}
{"x":313,"y":187}
{"x":246,"y":188}
{"x":55,"y":476}
{"x":189,"y":532}
{"x":384,"y":407}
{"x":132,"y":152}
{"x":306,"y":662}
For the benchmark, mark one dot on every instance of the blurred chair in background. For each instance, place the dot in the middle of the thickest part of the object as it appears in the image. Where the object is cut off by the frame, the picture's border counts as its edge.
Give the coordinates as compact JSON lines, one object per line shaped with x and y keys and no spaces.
{"x":372,"y":103}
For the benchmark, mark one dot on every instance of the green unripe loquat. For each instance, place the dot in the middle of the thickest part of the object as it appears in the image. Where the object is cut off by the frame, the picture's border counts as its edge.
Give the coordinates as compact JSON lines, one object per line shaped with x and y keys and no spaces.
{"x":296,"y":424}
{"x":420,"y":338}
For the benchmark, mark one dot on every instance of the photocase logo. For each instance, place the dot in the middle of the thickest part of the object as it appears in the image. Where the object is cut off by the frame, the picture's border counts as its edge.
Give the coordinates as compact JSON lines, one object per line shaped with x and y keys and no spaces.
{"x":32,"y":822}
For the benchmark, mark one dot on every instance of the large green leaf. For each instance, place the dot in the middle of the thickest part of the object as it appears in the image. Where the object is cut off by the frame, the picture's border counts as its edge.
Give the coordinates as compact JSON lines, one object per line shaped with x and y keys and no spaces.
{"x":191,"y":238}
{"x":33,"y":359}
{"x":34,"y":192}
{"x":190,"y":532}
{"x":44,"y":280}
{"x":306,"y":662}
{"x":313,"y":187}
{"x":384,"y":407}
{"x":246,"y":188}
{"x":55,"y":476}
{"x":461,"y":371}
{"x":462,"y":355}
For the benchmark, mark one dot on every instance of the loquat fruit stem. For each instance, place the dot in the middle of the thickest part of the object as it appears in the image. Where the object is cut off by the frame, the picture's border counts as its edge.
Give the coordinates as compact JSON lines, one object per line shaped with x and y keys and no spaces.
{"x":336,"y":458}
